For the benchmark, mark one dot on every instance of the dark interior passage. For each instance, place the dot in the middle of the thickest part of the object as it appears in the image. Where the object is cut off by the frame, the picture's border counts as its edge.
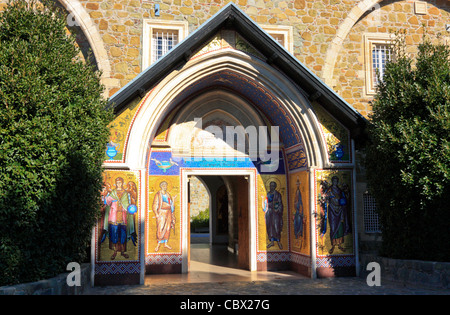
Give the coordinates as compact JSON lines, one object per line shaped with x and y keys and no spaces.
{"x":223,"y":239}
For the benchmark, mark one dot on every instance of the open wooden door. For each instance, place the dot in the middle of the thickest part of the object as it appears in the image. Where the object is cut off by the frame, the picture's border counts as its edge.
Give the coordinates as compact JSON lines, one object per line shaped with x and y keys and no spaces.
{"x":189,"y":216}
{"x":243,"y":222}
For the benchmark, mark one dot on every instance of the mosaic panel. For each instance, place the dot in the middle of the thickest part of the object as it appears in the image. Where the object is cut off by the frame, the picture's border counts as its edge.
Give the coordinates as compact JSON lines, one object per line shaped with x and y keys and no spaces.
{"x":165,"y":163}
{"x":301,"y":259}
{"x":119,"y":130}
{"x":337,"y":137}
{"x":272,"y":213}
{"x":297,"y":159}
{"x":164,"y":215}
{"x":163,"y":259}
{"x":299,"y":218}
{"x":117,"y":268}
{"x":334,"y":261}
{"x":334,"y":213}
{"x":229,"y":39}
{"x":117,"y":232}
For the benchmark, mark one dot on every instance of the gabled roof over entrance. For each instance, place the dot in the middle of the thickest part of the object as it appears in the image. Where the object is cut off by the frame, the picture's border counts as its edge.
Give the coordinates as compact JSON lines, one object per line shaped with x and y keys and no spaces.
{"x":231,"y":17}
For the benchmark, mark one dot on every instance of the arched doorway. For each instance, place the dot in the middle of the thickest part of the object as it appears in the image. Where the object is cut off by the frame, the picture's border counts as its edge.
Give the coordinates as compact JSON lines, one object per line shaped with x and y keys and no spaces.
{"x":177,"y":112}
{"x":209,"y":210}
{"x":227,"y":237}
{"x":188,"y":137}
{"x":180,"y":130}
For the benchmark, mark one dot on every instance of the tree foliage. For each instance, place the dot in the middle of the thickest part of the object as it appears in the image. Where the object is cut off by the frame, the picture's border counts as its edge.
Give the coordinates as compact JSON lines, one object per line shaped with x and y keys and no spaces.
{"x":201,"y":220}
{"x":53,"y":130}
{"x":408,"y":159}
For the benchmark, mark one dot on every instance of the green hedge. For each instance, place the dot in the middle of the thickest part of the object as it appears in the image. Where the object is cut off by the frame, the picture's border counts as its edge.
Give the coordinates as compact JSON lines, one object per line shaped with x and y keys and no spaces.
{"x":53,"y":130}
{"x":408,"y":160}
{"x":201,"y":220}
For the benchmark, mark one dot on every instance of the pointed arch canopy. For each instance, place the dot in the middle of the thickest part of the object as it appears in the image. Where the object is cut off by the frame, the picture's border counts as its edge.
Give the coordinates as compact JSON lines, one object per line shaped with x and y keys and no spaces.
{"x":261,"y":85}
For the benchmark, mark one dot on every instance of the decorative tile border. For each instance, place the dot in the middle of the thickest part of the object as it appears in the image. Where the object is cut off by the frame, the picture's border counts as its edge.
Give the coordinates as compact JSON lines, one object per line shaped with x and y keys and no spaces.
{"x":273,"y":256}
{"x":336,"y":261}
{"x":163,"y":259}
{"x":117,"y":268}
{"x":301,"y":259}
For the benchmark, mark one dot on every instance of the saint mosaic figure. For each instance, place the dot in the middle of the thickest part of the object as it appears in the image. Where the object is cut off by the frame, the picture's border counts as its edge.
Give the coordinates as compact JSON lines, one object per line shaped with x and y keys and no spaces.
{"x":131,"y":227}
{"x":120,"y":224}
{"x":299,"y":220}
{"x":334,"y":207}
{"x":164,"y":207}
{"x":273,"y":210}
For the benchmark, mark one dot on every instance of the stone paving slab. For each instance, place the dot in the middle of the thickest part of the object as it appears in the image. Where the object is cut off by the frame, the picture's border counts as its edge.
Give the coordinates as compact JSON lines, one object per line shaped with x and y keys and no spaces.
{"x":328,"y":286}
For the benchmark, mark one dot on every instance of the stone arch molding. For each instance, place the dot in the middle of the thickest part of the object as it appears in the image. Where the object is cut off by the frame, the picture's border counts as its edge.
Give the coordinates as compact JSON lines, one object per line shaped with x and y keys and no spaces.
{"x":160,"y":101}
{"x":333,"y":50}
{"x":95,"y":41}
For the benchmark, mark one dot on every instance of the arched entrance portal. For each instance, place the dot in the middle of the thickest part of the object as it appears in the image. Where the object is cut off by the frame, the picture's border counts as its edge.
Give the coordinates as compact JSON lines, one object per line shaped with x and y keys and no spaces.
{"x":227,"y":115}
{"x":172,"y":123}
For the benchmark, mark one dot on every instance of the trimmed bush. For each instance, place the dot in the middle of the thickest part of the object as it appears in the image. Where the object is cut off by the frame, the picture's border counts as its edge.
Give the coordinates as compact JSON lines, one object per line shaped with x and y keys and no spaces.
{"x":201,"y":220}
{"x":408,"y":160}
{"x":53,"y":131}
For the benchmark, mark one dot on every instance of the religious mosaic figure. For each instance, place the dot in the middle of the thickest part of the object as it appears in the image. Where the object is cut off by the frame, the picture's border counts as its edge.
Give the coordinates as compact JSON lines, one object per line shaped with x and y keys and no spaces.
{"x":273,"y":210}
{"x":299,"y":220}
{"x":104,"y":211}
{"x":164,"y":207}
{"x":131,"y":227}
{"x":334,"y":207}
{"x":120,"y":222}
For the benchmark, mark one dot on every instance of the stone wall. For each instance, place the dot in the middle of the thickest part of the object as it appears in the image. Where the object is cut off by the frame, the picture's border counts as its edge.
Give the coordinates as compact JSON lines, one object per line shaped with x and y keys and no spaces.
{"x":415,"y":272}
{"x":349,"y":75}
{"x":199,"y":196}
{"x":53,"y":286}
{"x":327,"y":34}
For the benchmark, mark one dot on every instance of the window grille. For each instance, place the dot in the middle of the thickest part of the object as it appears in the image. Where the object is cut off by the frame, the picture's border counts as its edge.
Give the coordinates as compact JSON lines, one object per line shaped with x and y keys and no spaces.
{"x":371,"y":222}
{"x":278,"y":38}
{"x":381,"y":54}
{"x":162,"y":42}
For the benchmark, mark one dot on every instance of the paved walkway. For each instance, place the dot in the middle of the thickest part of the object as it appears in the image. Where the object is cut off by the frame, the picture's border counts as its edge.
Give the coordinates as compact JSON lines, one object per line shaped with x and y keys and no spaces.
{"x":214,"y":272}
{"x":300,"y":286}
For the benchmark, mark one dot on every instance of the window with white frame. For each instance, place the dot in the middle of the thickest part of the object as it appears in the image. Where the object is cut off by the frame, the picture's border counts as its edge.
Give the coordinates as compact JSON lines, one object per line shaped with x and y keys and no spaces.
{"x":282,"y":34}
{"x":279,"y":38}
{"x":378,"y":52}
{"x":162,"y":41}
{"x":381,"y":54}
{"x":159,"y":37}
{"x":371,"y":222}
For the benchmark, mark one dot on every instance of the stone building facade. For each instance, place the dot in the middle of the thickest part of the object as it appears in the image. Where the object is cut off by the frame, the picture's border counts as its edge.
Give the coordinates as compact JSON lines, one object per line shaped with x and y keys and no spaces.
{"x":328,"y":35}
{"x":306,"y":66}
